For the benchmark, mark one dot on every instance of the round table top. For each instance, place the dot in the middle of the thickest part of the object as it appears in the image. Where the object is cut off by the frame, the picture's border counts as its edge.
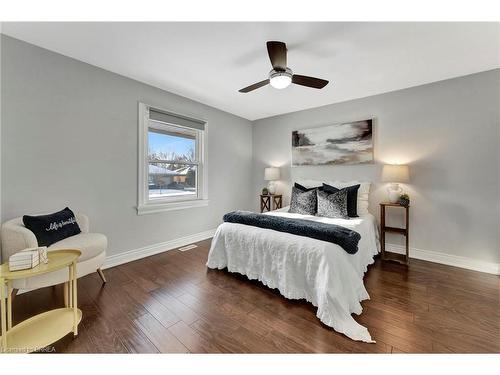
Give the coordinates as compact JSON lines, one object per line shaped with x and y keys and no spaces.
{"x":57,"y":259}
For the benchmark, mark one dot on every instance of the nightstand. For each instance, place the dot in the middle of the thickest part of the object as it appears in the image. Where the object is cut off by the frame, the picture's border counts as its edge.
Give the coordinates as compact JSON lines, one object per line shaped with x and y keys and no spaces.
{"x":403,"y":231}
{"x":270,"y":202}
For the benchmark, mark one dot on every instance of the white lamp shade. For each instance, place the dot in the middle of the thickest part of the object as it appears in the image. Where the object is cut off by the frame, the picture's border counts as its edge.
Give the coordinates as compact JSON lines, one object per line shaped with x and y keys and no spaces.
{"x":395,"y":173}
{"x":271,"y":174}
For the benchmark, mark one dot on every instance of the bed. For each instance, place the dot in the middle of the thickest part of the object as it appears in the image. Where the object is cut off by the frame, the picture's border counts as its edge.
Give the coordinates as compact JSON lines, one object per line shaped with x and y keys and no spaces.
{"x":303,"y":268}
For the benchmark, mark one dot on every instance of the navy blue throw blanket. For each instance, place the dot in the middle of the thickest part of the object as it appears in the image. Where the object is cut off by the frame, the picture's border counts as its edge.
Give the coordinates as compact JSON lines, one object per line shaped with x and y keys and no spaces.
{"x":345,"y":238}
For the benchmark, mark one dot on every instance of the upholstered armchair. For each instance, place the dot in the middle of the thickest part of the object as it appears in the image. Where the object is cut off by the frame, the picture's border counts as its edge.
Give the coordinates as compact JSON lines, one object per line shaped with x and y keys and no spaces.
{"x":16,"y":237}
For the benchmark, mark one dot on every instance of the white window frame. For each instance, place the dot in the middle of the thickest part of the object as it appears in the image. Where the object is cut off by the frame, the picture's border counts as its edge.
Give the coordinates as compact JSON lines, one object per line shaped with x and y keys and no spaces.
{"x":145,"y":205}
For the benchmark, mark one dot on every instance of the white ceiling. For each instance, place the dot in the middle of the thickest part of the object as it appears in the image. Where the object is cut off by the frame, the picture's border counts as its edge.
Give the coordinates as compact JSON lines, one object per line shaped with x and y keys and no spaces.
{"x":209,"y":62}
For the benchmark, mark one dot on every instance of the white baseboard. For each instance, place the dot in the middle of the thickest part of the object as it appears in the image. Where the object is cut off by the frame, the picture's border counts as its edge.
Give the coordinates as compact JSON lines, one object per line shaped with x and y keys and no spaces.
{"x":146,"y":251}
{"x":448,"y":259}
{"x":430,"y":256}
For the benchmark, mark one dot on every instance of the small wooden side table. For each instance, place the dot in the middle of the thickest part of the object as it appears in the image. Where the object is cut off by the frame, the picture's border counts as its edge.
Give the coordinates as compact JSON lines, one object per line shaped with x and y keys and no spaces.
{"x":403,"y":231}
{"x":270,"y":202}
{"x":46,"y":328}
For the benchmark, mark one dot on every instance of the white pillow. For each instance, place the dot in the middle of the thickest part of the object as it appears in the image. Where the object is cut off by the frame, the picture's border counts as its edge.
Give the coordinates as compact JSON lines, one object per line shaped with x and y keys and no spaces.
{"x":363,"y":192}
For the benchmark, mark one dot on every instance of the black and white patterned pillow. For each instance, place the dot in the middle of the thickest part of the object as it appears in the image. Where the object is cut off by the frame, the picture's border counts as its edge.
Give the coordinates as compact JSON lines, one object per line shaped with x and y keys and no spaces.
{"x":352,"y":197}
{"x":332,"y":205}
{"x":303,"y":202}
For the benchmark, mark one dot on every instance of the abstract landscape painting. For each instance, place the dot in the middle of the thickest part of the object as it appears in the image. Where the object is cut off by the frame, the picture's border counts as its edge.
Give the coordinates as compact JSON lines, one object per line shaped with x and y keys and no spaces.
{"x":348,"y":143}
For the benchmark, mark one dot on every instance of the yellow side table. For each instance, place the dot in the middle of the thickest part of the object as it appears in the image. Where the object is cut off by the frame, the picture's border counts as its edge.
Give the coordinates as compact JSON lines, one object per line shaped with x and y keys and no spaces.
{"x":46,"y":328}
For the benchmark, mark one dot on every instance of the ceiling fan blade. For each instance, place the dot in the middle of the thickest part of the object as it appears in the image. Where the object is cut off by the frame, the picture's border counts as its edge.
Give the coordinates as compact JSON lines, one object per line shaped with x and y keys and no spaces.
{"x":255,"y":86}
{"x":315,"y":83}
{"x":277,"y":54}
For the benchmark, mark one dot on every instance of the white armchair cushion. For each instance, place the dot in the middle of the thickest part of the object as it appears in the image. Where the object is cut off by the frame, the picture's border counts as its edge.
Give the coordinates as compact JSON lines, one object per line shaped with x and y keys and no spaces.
{"x":90,"y":244}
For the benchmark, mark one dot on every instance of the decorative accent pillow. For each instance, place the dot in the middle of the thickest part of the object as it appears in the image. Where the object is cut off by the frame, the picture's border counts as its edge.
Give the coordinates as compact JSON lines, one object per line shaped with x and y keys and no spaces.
{"x":332,"y":205}
{"x":363,"y":193}
{"x":303,"y":188}
{"x":352,"y":197}
{"x":52,"y":228}
{"x":309,"y":183}
{"x":303,"y":202}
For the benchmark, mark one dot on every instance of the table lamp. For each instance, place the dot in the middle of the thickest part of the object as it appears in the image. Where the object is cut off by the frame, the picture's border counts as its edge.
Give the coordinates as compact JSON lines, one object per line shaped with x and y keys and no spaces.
{"x":271,"y":174}
{"x":394,"y":174}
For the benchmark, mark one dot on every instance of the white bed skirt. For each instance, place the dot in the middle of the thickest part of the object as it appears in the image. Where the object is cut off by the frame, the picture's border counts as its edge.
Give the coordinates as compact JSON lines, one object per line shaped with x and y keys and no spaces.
{"x":302,"y":268}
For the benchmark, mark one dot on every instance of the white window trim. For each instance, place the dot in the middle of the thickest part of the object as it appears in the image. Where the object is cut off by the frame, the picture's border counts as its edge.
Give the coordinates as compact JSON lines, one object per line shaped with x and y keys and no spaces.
{"x":144,"y":204}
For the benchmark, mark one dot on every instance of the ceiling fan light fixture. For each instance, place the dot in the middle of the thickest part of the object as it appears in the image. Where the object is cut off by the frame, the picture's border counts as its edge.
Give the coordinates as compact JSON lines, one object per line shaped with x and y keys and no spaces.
{"x":280,"y":79}
{"x":281,"y":76}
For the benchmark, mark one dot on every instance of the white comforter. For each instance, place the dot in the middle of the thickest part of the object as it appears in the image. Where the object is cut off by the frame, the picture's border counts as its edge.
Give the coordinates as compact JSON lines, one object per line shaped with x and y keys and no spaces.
{"x":301,"y":267}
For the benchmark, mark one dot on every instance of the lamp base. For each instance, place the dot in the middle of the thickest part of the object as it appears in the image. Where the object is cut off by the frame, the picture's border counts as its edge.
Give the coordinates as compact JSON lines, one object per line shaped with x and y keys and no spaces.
{"x":394,"y":193}
{"x":271,"y":187}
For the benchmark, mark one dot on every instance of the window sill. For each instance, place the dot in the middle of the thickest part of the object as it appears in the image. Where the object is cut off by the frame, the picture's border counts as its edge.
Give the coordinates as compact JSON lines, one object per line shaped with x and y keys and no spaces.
{"x":153,"y":208}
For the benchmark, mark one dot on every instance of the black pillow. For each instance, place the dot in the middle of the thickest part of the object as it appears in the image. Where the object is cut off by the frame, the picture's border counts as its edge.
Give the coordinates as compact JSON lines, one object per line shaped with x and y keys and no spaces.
{"x":352,"y":197}
{"x":51,"y":228}
{"x":303,"y":202}
{"x":303,"y":188}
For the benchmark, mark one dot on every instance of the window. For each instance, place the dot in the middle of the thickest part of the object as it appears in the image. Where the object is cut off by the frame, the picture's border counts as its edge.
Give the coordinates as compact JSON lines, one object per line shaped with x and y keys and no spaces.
{"x":171,"y":161}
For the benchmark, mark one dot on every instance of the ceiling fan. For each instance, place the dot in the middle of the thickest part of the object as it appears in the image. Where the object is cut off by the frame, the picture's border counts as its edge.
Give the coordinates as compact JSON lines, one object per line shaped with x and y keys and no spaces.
{"x":281,"y":76}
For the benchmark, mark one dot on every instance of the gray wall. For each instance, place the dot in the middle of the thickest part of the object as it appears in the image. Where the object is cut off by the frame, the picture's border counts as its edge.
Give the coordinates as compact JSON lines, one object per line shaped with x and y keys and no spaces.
{"x":448,"y":132}
{"x":1,"y":26}
{"x":70,"y":138}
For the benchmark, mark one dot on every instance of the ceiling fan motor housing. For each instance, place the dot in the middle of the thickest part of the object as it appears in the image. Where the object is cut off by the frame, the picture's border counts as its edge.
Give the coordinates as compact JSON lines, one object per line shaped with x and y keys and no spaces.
{"x":276,"y":73}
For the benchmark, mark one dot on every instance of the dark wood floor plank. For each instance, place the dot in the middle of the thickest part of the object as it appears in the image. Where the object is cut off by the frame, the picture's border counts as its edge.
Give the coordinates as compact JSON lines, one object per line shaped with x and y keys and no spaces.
{"x":187,"y":315}
{"x":260,"y":295}
{"x":314,"y":334}
{"x":103,"y":336}
{"x":113,"y":300}
{"x":163,"y":314}
{"x":231,"y":306}
{"x":191,"y":339}
{"x":171,"y":303}
{"x":140,"y":274}
{"x":295,"y":332}
{"x":405,"y":344}
{"x":488,"y":323}
{"x":70,"y":344}
{"x":392,"y":312}
{"x":223,"y":339}
{"x":414,"y":337}
{"x":160,"y":336}
{"x":252,"y":342}
{"x":116,"y":276}
{"x":395,"y":350}
{"x":97,"y":327}
{"x":210,"y":313}
{"x":287,"y":344}
{"x":453,"y":332}
{"x":172,"y":281}
{"x":132,"y":337}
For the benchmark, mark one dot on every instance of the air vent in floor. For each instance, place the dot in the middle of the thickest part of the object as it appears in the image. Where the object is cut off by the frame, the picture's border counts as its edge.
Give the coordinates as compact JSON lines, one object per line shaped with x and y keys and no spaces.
{"x":188,"y":247}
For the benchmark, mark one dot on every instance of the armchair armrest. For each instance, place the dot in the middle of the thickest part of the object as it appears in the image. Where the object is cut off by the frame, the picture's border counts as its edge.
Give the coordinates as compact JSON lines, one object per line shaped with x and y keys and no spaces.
{"x":83,"y":222}
{"x":16,"y":237}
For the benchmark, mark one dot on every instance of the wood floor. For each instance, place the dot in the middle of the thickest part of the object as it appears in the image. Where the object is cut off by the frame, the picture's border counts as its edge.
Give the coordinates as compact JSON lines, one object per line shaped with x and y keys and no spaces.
{"x":170,"y":303}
